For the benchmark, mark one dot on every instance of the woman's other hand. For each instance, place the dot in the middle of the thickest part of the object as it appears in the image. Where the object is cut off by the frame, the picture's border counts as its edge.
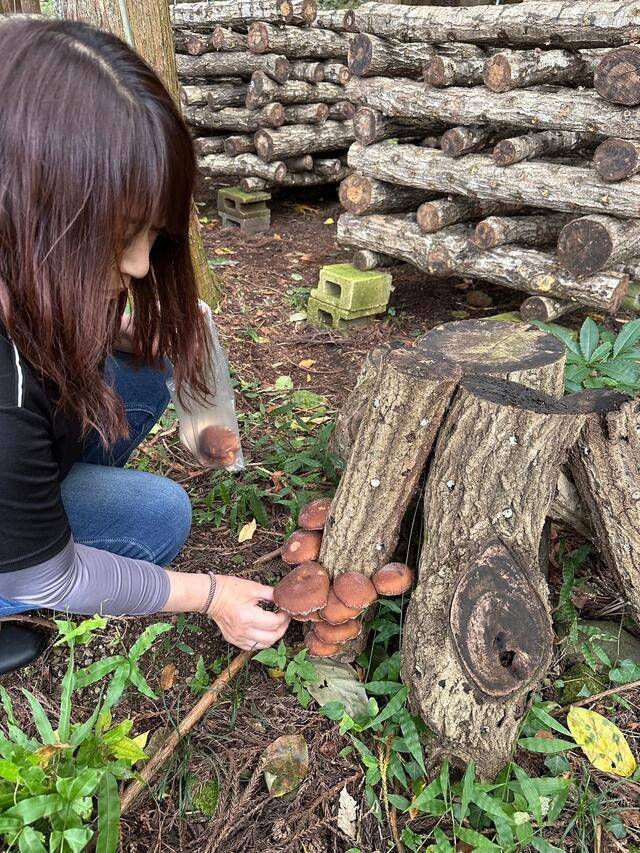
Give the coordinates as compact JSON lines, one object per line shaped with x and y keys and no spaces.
{"x":236,"y":610}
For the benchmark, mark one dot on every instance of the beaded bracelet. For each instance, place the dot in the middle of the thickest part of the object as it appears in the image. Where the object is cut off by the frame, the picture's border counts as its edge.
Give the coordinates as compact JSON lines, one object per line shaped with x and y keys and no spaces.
{"x":212,"y":592}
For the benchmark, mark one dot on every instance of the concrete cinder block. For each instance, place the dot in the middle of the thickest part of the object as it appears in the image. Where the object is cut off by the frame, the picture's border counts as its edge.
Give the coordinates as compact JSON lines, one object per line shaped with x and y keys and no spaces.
{"x":350,"y":289}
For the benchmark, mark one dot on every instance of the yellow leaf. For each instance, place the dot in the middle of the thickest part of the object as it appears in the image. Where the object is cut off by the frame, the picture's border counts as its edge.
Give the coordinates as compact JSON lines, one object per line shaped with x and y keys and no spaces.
{"x":602,"y":742}
{"x":168,"y":676}
{"x":304,"y":208}
{"x":276,"y":673}
{"x":47,"y":752}
{"x":141,"y":739}
{"x":330,"y":221}
{"x":248,"y":530}
{"x":306,"y":362}
{"x":224,"y":250}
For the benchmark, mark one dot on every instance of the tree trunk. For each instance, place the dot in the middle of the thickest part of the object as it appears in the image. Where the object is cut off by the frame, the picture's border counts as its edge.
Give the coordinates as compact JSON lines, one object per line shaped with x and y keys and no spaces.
{"x":262,"y":90}
{"x":434,"y":215}
{"x":359,"y":194}
{"x":233,"y":64}
{"x":561,"y":109}
{"x":543,"y":144}
{"x":605,"y":464}
{"x":617,"y":77}
{"x":443,"y":71}
{"x":565,"y":188}
{"x":527,"y":270}
{"x":458,"y":141}
{"x":149,"y":30}
{"x":335,"y":72}
{"x":187,"y":41}
{"x":233,"y":13}
{"x":364,"y":259}
{"x":293,"y":140}
{"x":517,"y":69}
{"x":297,"y":43}
{"x":244,"y":166}
{"x":228,"y":40}
{"x":342,"y":111}
{"x":371,"y":126}
{"x":215,"y":97}
{"x":567,"y":22}
{"x":241,"y":143}
{"x":236,"y":118}
{"x":309,"y":72}
{"x":595,"y":243}
{"x":544,"y":309}
{"x":617,"y":159}
{"x":537,"y":230}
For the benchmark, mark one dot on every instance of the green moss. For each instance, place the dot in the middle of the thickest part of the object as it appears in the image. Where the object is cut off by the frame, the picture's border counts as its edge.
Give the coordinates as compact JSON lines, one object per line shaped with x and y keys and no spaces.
{"x":576,"y":679}
{"x":206,"y":800}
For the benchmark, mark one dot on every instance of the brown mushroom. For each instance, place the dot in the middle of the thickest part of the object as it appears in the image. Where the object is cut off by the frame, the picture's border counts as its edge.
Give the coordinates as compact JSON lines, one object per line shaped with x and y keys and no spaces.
{"x":319,"y":649}
{"x":338,"y":633}
{"x":314,"y":616}
{"x":336,"y":613}
{"x":219,"y":445}
{"x":355,"y":590}
{"x":303,"y":590}
{"x":393,"y":579}
{"x":313,"y":516}
{"x":302,"y":546}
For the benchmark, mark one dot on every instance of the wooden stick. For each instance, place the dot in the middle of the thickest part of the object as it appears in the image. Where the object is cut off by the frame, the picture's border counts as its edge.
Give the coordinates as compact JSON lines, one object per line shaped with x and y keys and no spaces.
{"x":595,"y":698}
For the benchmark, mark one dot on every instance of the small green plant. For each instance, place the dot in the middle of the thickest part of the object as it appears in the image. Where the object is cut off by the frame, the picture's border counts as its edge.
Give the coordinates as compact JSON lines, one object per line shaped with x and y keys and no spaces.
{"x":597,"y":358}
{"x":202,"y":678}
{"x":299,"y":673}
{"x":297,"y":297}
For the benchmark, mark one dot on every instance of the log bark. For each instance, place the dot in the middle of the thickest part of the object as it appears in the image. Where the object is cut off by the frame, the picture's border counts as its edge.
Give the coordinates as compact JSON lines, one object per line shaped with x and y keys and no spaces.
{"x":544,"y":309}
{"x":228,"y":40}
{"x":235,"y":64}
{"x":582,"y":22}
{"x":306,"y":113}
{"x":293,"y":140}
{"x":364,"y":259}
{"x":526,"y":270}
{"x":209,"y":145}
{"x":458,"y":141}
{"x":314,"y":179}
{"x":536,"y":230}
{"x":333,"y":19}
{"x":297,"y":43}
{"x":605,"y":464}
{"x":309,"y":72}
{"x":244,"y":166}
{"x":262,"y":90}
{"x":594,"y":243}
{"x":253,"y":185}
{"x":359,"y":194}
{"x":336,"y":72}
{"x":331,"y":167}
{"x":300,"y":12}
{"x":565,"y":188}
{"x":371,"y":126}
{"x":617,"y":159}
{"x":617,"y":77}
{"x":389,"y":452}
{"x":236,"y":118}
{"x":553,"y":109}
{"x":369,"y":56}
{"x":437,"y":214}
{"x":342,"y":111}
{"x":517,"y":69}
{"x":443,"y":71}
{"x":547,"y":142}
{"x":187,"y":41}
{"x":230,"y":13}
{"x":478,"y":637}
{"x":228,"y":94}
{"x":241,"y":143}
{"x":299,"y":164}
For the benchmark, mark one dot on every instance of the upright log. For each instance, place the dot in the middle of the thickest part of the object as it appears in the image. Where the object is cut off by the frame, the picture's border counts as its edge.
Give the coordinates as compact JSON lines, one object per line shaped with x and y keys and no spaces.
{"x":228,"y":40}
{"x":244,"y":166}
{"x":550,"y":22}
{"x":544,"y":309}
{"x":535,"y":108}
{"x":236,"y":118}
{"x":516,"y":69}
{"x":234,"y":13}
{"x":536,"y":230}
{"x":547,"y":142}
{"x":359,"y":194}
{"x":443,"y":71}
{"x":595,"y":243}
{"x":234,"y":64}
{"x":262,"y":90}
{"x":297,"y":43}
{"x":434,"y":215}
{"x":293,"y":140}
{"x":306,"y":113}
{"x":617,"y":159}
{"x":617,"y":77}
{"x":565,"y":188}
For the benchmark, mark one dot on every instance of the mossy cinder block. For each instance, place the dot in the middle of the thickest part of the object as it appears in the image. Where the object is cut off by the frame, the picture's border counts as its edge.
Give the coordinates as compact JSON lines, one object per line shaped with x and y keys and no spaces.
{"x":351,"y":289}
{"x":238,"y":203}
{"x":249,"y":224}
{"x":325,"y":314}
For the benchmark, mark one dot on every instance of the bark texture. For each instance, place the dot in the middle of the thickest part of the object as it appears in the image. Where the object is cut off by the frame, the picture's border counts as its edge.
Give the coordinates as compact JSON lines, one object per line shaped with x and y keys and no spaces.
{"x":228,"y":13}
{"x":342,"y":111}
{"x":244,"y":166}
{"x":306,"y":113}
{"x":547,"y":142}
{"x":516,"y":69}
{"x":336,"y":72}
{"x":294,"y":140}
{"x":236,"y":118}
{"x":228,"y":40}
{"x":297,"y":43}
{"x":359,"y":194}
{"x":443,"y":71}
{"x":262,"y":90}
{"x":235,"y":64}
{"x":458,"y":141}
{"x":535,"y":230}
{"x":371,"y":126}
{"x":186,"y":41}
{"x":617,"y":159}
{"x":228,"y":94}
{"x":310,"y":72}
{"x":595,"y":243}
{"x":434,"y":215}
{"x":241,"y":143}
{"x":544,"y":308}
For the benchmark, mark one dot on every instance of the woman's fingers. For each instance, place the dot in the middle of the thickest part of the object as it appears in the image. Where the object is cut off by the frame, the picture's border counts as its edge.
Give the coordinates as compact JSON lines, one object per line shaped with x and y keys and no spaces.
{"x":262,"y":592}
{"x":268,"y":621}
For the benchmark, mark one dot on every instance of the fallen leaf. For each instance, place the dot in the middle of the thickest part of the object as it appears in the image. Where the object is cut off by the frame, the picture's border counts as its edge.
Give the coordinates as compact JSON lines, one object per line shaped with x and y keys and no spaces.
{"x":297,"y":316}
{"x":306,"y":362}
{"x":602,"y":742}
{"x":224,"y":250}
{"x":304,"y":208}
{"x":338,"y":682}
{"x":285,"y":763}
{"x":168,"y":676}
{"x":275,"y":673}
{"x":347,"y":814}
{"x":630,"y":818}
{"x":277,"y":237}
{"x":276,"y":479}
{"x":47,"y":752}
{"x":295,"y":276}
{"x":247,"y":531}
{"x":330,"y":221}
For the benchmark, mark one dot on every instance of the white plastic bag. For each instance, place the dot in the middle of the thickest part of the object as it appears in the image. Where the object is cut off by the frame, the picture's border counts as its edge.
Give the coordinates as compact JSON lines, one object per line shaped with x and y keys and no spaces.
{"x":209,"y":429}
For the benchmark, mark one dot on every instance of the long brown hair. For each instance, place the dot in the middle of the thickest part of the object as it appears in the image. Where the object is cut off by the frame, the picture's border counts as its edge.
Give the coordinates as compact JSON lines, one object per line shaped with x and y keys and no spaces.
{"x":92,"y":150}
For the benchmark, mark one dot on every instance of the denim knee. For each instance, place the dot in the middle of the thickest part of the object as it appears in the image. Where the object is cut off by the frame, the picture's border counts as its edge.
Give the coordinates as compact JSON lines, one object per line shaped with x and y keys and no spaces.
{"x":174,"y":506}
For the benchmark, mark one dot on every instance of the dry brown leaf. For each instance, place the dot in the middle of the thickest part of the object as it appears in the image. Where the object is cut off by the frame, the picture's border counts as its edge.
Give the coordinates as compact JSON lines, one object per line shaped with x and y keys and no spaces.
{"x":168,"y":676}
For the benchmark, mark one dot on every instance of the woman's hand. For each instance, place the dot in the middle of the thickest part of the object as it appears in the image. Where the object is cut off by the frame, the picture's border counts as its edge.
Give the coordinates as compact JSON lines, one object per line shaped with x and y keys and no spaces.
{"x":236,"y":610}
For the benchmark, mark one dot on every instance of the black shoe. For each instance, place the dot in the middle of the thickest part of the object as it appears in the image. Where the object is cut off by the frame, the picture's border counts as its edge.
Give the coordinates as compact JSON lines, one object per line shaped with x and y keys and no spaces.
{"x":20,"y":645}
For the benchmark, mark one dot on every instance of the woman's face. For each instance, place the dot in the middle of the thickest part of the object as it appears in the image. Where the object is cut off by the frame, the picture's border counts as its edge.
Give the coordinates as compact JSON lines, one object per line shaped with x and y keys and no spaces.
{"x":134,"y":262}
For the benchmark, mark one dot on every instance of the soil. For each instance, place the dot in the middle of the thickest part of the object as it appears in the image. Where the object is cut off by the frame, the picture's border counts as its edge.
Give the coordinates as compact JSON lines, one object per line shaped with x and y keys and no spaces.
{"x":258,"y":274}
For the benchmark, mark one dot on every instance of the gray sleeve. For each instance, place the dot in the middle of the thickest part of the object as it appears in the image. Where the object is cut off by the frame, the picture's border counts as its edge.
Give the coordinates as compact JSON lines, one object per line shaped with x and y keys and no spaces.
{"x":87,"y":581}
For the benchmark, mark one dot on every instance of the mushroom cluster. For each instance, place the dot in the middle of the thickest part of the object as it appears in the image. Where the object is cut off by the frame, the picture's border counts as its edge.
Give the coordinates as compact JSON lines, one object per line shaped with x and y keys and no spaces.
{"x":307,"y":594}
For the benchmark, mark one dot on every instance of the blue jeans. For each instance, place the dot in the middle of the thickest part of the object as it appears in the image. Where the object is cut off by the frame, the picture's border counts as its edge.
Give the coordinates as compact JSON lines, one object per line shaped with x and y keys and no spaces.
{"x":118,"y":509}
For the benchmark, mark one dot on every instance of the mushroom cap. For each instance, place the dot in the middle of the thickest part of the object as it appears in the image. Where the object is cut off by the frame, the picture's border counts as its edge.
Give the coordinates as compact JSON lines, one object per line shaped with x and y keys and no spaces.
{"x":355,"y":590}
{"x":302,"y":546}
{"x":313,"y":515}
{"x":303,"y":590}
{"x":337,"y":633}
{"x":393,"y":579}
{"x":336,"y":613}
{"x":314,"y":616}
{"x":219,"y":444}
{"x":319,"y":649}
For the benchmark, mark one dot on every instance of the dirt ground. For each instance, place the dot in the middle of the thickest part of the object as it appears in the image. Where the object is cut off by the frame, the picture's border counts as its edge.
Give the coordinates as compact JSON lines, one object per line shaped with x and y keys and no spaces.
{"x":261,"y":277}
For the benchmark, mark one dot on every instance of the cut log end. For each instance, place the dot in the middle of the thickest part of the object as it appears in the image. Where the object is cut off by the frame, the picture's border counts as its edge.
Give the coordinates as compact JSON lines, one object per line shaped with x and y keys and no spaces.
{"x":617,"y":159}
{"x":484,"y":236}
{"x":264,"y":145}
{"x":584,"y":246}
{"x":257,"y":38}
{"x":355,"y":193}
{"x":360,"y":54}
{"x":504,"y":153}
{"x":434,"y":72}
{"x":617,"y":77}
{"x":497,"y":74}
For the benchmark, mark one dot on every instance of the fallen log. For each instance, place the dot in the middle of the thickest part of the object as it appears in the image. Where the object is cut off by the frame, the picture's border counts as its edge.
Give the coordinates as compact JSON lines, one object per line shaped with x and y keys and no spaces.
{"x":195,"y":96}
{"x":333,"y":19}
{"x":297,"y":43}
{"x":547,"y":142}
{"x":342,"y":111}
{"x":253,"y":185}
{"x":594,"y":243}
{"x":228,"y":40}
{"x":517,"y":69}
{"x":293,"y":140}
{"x":428,"y":142}
{"x":536,"y":108}
{"x":313,"y":179}
{"x":364,"y":259}
{"x":544,"y":309}
{"x":215,"y":97}
{"x":617,"y":159}
{"x":209,"y":145}
{"x":262,"y":89}
{"x":580,"y":22}
{"x":187,"y":41}
{"x":300,"y":12}
{"x":241,"y":143}
{"x":617,"y":77}
{"x":330,"y":167}
{"x":235,"y":118}
{"x":434,"y":215}
{"x":359,"y":194}
{"x":458,"y":141}
{"x":309,"y":72}
{"x":336,"y":72}
{"x":370,"y":56}
{"x":371,"y":126}
{"x":565,"y":188}
{"x":299,"y":164}
{"x":233,"y":13}
{"x":233,"y":64}
{"x":443,"y":71}
{"x":535,"y":230}
{"x":306,"y":113}
{"x":244,"y":166}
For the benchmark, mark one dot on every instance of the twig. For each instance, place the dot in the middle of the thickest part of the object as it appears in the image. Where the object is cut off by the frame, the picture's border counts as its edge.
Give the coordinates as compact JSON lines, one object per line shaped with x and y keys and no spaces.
{"x":266,"y":558}
{"x":595,"y":698}
{"x":135,"y":789}
{"x":393,"y":823}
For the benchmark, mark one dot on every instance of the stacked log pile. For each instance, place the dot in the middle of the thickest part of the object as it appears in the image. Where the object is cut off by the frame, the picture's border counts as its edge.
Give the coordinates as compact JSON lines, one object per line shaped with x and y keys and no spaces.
{"x":263,"y":88}
{"x":516,"y":145}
